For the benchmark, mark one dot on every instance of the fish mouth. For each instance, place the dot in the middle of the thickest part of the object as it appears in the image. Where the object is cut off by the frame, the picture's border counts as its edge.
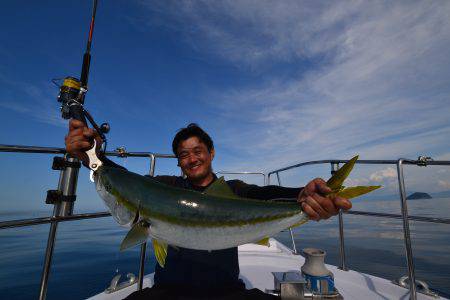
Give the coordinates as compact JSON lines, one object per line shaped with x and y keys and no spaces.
{"x":123,"y":213}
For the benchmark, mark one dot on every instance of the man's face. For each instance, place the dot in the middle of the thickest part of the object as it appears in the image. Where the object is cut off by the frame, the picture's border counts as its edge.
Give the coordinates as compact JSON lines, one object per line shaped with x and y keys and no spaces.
{"x":194,"y":159}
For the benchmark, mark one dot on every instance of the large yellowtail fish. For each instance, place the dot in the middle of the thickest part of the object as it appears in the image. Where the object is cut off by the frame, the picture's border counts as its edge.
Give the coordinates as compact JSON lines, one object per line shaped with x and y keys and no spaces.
{"x":211,"y":220}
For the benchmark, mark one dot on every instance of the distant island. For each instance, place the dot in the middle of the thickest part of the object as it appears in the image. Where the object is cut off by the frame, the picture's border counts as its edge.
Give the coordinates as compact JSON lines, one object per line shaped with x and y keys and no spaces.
{"x":418,"y":195}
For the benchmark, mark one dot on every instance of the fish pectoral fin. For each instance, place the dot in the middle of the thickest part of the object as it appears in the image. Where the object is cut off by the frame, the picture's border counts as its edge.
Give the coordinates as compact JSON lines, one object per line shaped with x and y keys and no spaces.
{"x":356,"y":191}
{"x":160,"y":249}
{"x":263,"y":242}
{"x":338,"y":178}
{"x":220,"y":188}
{"x":137,"y":235}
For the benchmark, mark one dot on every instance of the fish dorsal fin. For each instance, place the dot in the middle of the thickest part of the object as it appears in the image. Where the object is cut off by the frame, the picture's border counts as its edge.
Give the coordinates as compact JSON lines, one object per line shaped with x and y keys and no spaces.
{"x":137,"y":235}
{"x":220,"y":188}
{"x":160,"y":250}
{"x":338,"y":178}
{"x":356,"y":191}
{"x":263,"y":242}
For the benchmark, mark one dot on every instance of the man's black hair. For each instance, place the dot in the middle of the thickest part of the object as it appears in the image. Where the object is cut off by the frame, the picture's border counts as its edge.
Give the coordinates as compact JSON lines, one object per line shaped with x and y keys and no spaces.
{"x":188,"y":132}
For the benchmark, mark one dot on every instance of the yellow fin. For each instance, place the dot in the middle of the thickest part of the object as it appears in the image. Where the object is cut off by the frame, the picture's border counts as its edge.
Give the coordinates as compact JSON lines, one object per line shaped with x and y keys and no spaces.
{"x":160,"y":250}
{"x":263,"y":242}
{"x":356,"y":191}
{"x":137,"y":235}
{"x":338,"y":178}
{"x":220,"y":188}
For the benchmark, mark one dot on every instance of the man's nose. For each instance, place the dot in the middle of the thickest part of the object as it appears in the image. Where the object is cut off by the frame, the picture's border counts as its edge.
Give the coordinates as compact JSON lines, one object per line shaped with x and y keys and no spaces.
{"x":192,"y":159}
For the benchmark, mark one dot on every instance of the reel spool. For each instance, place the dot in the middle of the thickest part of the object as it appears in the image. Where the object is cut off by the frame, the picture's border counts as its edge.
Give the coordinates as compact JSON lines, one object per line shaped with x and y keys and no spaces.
{"x":69,"y":94}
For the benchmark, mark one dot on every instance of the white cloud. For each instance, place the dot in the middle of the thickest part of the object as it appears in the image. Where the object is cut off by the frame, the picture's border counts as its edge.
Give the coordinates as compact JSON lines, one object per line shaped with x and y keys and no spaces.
{"x":356,"y":181}
{"x":376,"y":82}
{"x":385,"y":174}
{"x":38,"y":102}
{"x":445,"y":184}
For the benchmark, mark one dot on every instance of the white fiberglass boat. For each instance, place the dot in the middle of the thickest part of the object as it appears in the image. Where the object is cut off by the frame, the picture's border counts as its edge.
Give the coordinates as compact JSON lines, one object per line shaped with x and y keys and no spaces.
{"x":258,"y":262}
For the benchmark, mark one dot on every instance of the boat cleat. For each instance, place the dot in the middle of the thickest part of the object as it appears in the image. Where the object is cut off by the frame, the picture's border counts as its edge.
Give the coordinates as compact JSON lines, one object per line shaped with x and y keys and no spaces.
{"x":115,"y":285}
{"x":421,"y":286}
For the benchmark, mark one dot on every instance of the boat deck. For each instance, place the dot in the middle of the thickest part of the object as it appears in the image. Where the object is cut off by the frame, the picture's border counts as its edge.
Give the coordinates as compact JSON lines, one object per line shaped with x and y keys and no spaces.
{"x":257,"y":262}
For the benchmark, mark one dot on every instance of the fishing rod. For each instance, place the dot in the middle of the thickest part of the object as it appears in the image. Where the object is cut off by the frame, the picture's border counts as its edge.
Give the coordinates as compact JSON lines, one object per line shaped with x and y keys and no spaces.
{"x":72,"y":91}
{"x":71,"y":95}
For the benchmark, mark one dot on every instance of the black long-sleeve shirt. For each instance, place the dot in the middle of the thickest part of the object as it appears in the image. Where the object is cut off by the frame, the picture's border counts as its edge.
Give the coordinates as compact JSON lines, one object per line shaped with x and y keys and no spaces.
{"x":209,"y":270}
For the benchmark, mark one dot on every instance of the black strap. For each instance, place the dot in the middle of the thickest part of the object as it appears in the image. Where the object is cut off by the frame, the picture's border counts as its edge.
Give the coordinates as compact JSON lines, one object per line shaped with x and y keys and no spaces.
{"x":60,"y":163}
{"x":56,"y":196}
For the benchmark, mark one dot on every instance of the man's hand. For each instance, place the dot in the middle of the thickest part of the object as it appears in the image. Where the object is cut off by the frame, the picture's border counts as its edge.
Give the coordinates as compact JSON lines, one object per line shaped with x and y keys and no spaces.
{"x":80,"y":139}
{"x":316,"y":204}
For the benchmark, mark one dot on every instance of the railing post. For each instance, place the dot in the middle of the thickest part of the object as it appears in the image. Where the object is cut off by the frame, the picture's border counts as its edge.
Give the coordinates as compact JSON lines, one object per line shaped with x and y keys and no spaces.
{"x":278,"y":178}
{"x":144,"y":245}
{"x":406,"y":231}
{"x":152,"y":165}
{"x":67,"y":185}
{"x":343,"y":264}
{"x":294,"y":247}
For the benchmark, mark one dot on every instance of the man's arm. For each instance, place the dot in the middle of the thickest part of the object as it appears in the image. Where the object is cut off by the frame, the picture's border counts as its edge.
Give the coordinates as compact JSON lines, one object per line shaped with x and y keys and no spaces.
{"x":312,"y":198}
{"x":81,"y":138}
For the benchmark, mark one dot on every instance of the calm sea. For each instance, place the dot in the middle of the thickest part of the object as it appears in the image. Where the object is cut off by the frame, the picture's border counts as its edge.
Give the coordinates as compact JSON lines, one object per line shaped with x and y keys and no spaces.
{"x":86,"y":254}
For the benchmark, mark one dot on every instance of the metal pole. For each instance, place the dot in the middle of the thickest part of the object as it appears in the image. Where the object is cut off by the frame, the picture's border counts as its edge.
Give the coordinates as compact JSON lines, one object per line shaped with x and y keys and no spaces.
{"x":142,"y":266}
{"x":48,"y":260}
{"x":46,"y":220}
{"x":67,"y":185}
{"x":343,"y":264}
{"x":144,"y":245}
{"x":293,"y":241}
{"x":152,"y":164}
{"x":406,"y":231}
{"x":278,"y":177}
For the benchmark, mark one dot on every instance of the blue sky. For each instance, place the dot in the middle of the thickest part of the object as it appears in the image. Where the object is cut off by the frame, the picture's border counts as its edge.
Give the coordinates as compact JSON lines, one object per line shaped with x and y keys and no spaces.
{"x":273,"y":82}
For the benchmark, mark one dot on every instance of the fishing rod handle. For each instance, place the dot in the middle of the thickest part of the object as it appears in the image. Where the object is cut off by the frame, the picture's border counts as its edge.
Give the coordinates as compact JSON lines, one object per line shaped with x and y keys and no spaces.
{"x":77,"y":113}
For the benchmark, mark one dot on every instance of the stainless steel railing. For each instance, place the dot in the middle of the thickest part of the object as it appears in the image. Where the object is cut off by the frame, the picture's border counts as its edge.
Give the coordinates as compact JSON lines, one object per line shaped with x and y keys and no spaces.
{"x":120,"y":152}
{"x":64,"y":211}
{"x":421,"y":161}
{"x":243,"y":173}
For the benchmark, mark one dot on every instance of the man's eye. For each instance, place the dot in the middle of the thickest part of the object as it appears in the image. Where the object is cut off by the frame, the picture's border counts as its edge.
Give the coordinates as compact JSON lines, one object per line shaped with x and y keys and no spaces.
{"x":183,"y":155}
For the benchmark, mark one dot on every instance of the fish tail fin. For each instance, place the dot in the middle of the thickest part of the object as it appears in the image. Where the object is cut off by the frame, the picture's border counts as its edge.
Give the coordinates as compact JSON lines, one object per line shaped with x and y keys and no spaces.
{"x":160,"y":249}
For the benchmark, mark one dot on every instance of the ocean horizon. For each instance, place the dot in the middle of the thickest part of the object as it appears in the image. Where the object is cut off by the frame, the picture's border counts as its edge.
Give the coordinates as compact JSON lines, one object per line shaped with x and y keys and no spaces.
{"x":87,"y":256}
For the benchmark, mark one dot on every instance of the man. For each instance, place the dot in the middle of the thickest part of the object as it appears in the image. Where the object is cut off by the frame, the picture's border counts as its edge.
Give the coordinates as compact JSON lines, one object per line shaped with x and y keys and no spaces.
{"x":195,"y":274}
